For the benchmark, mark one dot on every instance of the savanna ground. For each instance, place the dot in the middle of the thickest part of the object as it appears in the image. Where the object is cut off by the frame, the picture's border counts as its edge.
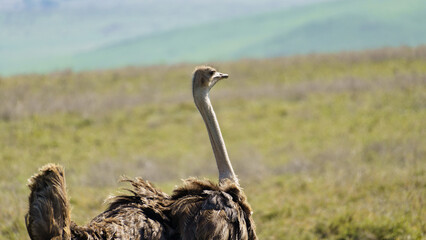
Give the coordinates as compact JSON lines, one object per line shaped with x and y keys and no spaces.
{"x":326,"y":146}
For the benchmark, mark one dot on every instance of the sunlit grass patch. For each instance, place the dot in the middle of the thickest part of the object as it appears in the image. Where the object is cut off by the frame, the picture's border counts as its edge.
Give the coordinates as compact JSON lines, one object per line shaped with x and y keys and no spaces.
{"x":326,"y":146}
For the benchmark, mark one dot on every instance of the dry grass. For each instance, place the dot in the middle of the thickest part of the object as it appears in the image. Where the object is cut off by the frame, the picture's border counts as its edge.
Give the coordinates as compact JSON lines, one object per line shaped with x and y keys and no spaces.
{"x":326,"y":146}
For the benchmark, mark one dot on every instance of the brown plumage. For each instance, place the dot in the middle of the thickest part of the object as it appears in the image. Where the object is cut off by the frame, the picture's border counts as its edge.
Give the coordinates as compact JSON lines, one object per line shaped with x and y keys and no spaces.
{"x":204,"y":210}
{"x":199,"y":209}
{"x":49,"y":213}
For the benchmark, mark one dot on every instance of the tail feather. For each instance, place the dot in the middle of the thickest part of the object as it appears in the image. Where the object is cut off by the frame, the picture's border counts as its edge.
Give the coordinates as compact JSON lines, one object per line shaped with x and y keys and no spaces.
{"x":48,"y":216}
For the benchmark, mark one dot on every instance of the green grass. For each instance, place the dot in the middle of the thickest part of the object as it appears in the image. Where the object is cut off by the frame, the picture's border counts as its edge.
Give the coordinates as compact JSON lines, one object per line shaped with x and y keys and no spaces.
{"x":326,"y":146}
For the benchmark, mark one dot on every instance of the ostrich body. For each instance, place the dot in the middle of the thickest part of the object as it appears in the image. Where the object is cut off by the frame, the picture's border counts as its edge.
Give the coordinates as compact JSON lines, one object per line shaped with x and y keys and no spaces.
{"x":199,"y":209}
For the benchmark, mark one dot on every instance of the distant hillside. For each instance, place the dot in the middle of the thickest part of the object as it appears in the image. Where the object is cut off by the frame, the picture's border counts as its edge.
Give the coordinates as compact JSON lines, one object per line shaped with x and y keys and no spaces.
{"x":39,"y":35}
{"x":323,"y":27}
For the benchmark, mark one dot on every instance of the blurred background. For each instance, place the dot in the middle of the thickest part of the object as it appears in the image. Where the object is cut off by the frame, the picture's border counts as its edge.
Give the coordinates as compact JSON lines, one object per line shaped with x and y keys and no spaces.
{"x":323,"y":114}
{"x":47,"y":35}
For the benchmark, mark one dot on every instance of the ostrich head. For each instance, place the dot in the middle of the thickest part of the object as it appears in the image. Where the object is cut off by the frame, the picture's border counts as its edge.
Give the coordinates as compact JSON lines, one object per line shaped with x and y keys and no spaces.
{"x":203,"y":80}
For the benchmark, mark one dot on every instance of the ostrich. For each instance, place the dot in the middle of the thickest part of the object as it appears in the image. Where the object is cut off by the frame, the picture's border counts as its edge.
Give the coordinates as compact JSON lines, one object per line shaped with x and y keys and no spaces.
{"x":200,"y":209}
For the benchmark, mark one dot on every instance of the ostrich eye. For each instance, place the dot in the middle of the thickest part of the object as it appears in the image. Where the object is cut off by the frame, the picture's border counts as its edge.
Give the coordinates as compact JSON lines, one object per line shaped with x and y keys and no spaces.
{"x":211,"y":72}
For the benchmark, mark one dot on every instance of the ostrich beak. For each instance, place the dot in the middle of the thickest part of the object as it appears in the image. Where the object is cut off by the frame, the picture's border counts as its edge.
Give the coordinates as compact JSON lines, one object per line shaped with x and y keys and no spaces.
{"x":219,"y":75}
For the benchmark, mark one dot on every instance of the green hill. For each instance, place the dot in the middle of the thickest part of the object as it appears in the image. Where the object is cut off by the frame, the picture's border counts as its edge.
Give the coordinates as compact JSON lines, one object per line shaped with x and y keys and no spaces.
{"x":326,"y":27}
{"x":321,"y":27}
{"x":37,"y":35}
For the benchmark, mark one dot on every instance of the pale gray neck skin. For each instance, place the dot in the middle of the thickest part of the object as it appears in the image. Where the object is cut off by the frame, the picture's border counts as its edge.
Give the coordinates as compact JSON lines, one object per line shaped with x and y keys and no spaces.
{"x":202,"y":101}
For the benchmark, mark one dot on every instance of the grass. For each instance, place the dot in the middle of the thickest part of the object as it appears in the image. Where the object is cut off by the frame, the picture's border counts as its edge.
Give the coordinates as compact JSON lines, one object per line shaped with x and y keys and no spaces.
{"x":326,"y":146}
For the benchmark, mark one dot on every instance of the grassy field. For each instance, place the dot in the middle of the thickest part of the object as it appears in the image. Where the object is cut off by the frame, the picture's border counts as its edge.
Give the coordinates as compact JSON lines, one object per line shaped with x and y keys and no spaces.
{"x":326,"y":146}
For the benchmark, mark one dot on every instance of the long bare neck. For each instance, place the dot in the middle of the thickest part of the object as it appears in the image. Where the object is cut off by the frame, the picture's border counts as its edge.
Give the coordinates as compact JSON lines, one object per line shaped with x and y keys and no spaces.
{"x":224,"y":166}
